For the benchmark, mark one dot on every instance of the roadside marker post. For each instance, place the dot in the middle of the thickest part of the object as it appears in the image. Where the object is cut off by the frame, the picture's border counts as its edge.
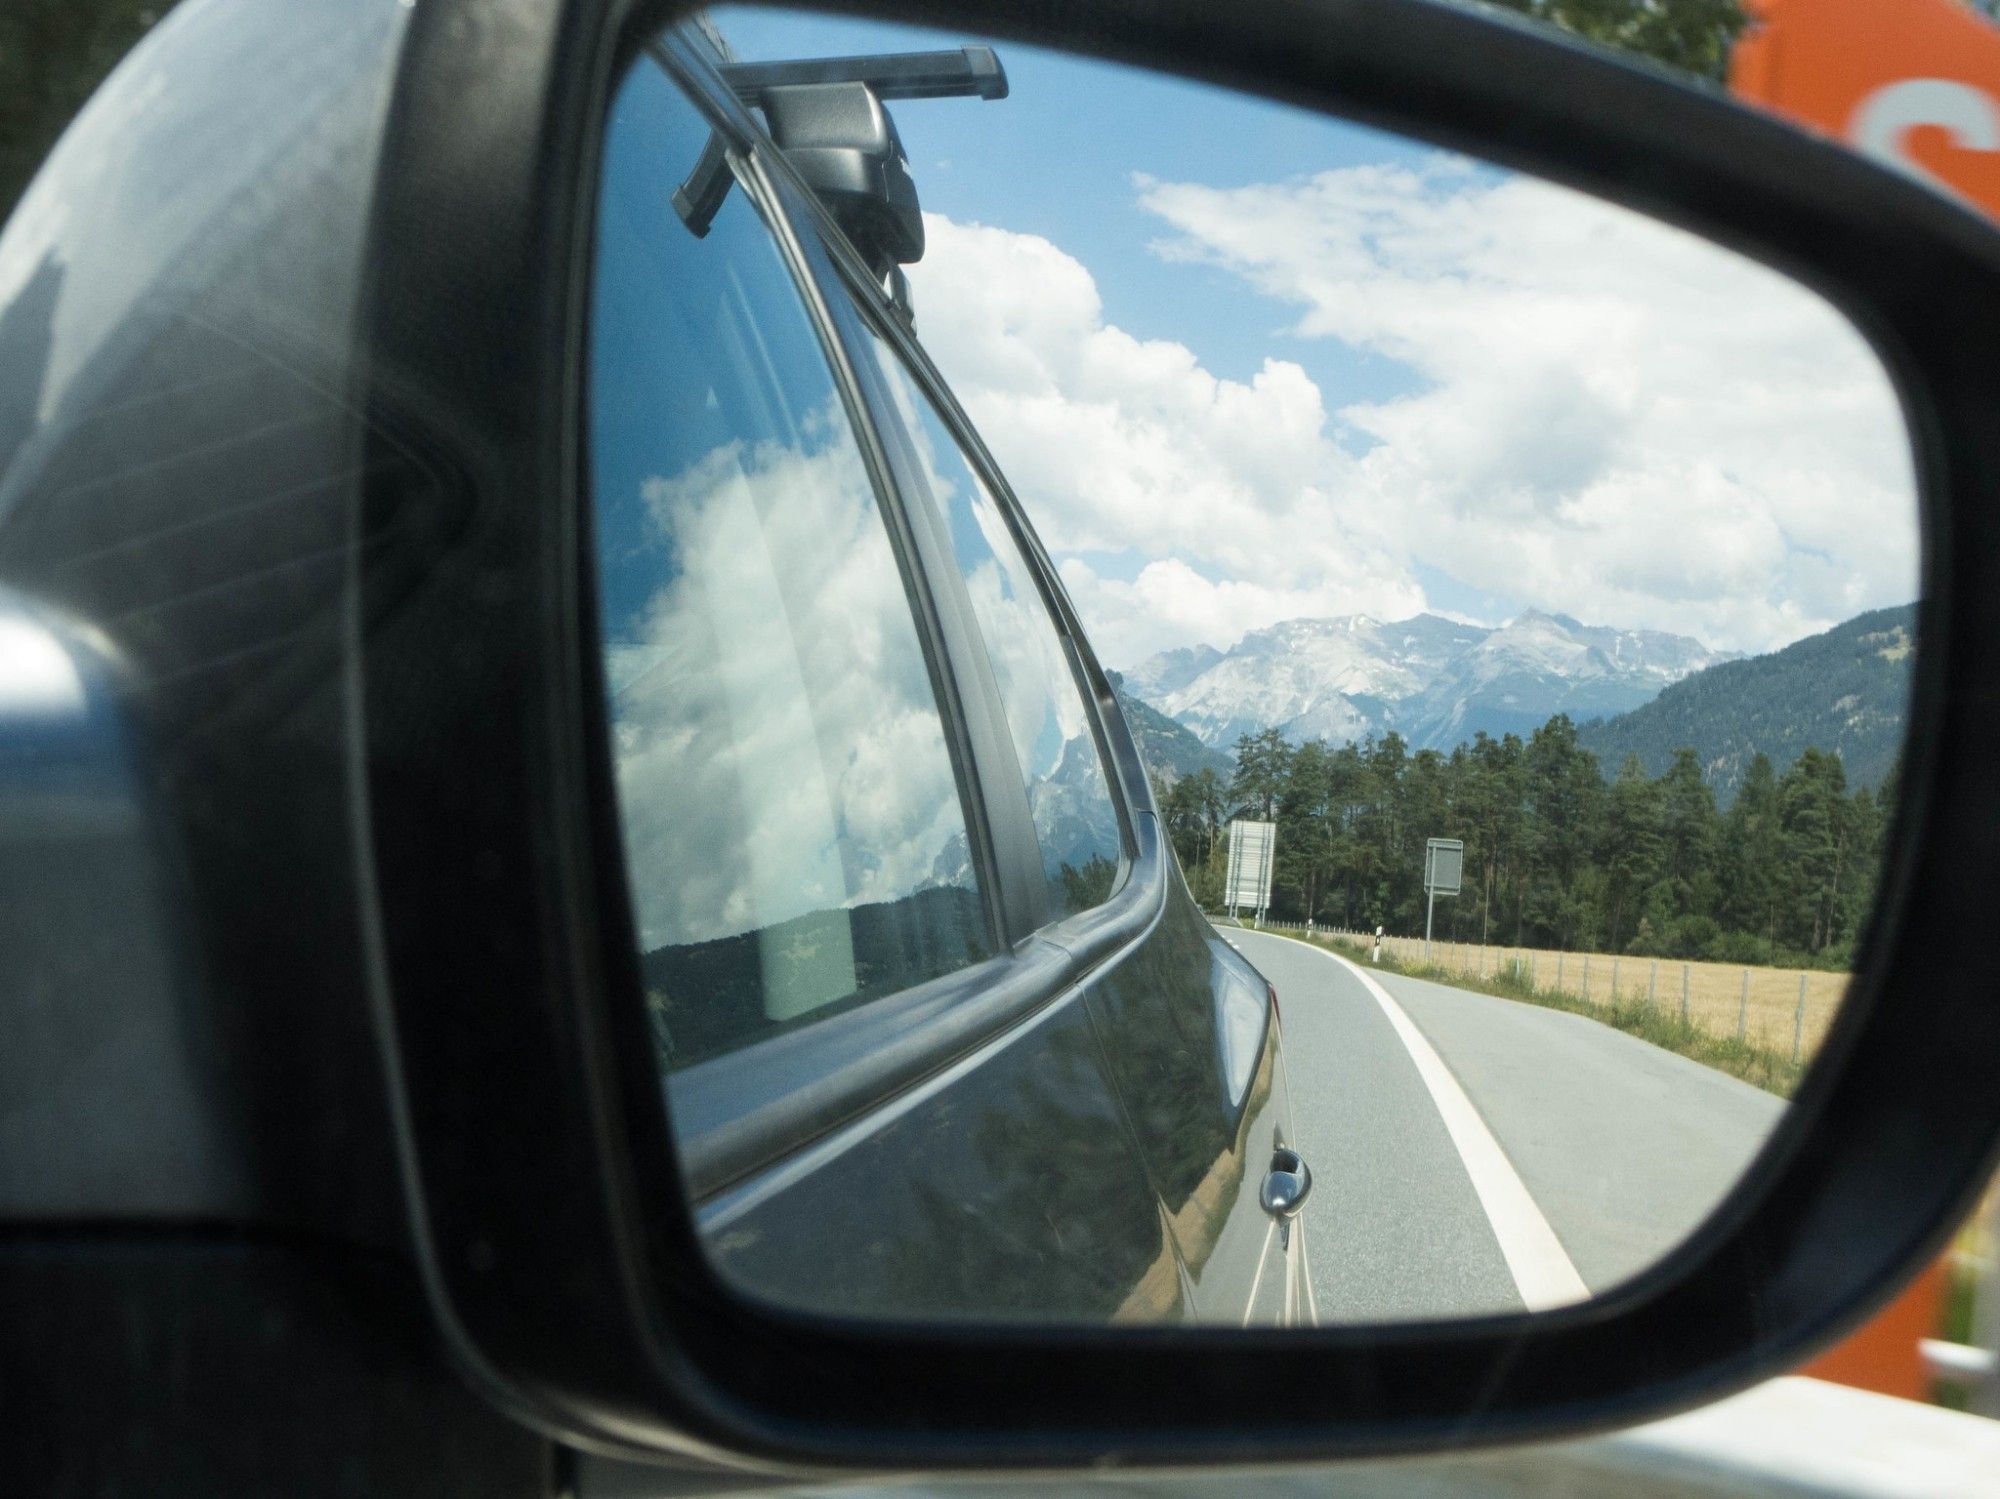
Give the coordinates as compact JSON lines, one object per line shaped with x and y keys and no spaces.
{"x":1586,"y":978}
{"x":1653,"y":985}
{"x":1743,"y":1006}
{"x":1614,"y":981}
{"x":1684,"y":994}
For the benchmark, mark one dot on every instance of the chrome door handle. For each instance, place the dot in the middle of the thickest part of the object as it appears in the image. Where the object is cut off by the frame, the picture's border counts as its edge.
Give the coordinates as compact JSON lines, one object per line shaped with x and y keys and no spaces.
{"x":1287,"y":1186}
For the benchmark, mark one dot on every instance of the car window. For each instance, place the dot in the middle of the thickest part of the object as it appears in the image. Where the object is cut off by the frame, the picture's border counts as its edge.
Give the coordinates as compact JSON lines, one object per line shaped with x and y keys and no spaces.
{"x":792,"y":819}
{"x":1076,"y":821}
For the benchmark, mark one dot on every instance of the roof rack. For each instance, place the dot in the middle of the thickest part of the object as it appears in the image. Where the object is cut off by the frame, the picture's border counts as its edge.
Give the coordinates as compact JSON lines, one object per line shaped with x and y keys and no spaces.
{"x":967,"y":72}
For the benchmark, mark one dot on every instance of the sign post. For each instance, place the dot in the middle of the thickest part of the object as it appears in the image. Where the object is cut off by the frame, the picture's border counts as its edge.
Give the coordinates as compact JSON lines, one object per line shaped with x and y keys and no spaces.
{"x":1253,"y":850}
{"x":1444,"y":866}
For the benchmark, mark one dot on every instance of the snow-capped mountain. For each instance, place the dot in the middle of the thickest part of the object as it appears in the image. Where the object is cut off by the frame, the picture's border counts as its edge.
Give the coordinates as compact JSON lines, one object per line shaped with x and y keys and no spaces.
{"x":1435,"y":681}
{"x":1169,"y":671}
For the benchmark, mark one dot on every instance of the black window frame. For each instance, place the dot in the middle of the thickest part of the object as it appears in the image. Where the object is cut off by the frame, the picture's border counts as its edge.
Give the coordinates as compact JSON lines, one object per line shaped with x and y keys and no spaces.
{"x":753,"y":1102}
{"x":739,"y":1112}
{"x":874,"y":317}
{"x":1093,"y":934}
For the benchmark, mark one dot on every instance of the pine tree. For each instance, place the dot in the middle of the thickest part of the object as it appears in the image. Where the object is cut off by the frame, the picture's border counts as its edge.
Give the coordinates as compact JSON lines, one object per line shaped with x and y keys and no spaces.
{"x":1564,"y":796}
{"x":1753,"y":857}
{"x":1261,"y":762}
{"x":1633,"y":851}
{"x":1816,"y":824}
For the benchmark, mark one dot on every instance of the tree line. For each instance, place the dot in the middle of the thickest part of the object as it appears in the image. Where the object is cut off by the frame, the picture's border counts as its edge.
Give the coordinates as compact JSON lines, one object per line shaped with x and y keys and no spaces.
{"x":1555,"y":855}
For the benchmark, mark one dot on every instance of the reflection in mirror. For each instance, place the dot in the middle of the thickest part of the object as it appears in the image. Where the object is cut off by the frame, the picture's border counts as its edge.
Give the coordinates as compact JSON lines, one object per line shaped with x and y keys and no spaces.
{"x":1261,"y":724}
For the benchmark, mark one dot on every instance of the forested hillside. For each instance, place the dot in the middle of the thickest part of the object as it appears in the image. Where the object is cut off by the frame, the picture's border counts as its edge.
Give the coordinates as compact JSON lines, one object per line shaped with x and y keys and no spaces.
{"x":1169,"y":749}
{"x":1555,"y":856}
{"x":1846,"y":691}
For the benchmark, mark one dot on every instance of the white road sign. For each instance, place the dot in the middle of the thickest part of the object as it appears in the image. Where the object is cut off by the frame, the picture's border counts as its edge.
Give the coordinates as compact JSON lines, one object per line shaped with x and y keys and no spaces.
{"x":1253,"y":849}
{"x":1444,"y":865}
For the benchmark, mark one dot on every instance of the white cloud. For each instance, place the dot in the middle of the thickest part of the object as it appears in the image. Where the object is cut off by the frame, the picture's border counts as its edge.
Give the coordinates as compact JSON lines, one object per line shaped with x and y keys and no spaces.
{"x":1615,"y":420}
{"x":1117,"y":443}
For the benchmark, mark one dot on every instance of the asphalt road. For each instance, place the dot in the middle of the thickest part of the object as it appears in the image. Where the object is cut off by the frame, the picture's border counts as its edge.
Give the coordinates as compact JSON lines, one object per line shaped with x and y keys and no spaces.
{"x":1615,"y":1147}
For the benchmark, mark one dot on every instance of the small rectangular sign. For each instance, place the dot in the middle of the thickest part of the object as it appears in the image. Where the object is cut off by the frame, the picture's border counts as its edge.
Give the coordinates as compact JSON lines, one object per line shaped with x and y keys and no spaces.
{"x":1444,"y":865}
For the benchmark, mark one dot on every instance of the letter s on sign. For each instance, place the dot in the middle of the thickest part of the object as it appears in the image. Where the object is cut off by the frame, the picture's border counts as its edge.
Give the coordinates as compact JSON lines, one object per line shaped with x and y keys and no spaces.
{"x":1884,"y":118}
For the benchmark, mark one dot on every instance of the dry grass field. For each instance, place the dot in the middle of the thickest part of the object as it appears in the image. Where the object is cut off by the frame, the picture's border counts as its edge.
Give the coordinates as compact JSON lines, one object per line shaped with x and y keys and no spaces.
{"x":1785,"y":1010}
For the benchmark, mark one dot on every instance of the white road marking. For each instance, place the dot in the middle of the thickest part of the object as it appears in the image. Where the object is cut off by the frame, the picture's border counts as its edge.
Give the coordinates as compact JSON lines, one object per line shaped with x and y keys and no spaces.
{"x":1306,"y":1274}
{"x":1543,"y":1274}
{"x":1291,"y":1308}
{"x":1263,"y":1259}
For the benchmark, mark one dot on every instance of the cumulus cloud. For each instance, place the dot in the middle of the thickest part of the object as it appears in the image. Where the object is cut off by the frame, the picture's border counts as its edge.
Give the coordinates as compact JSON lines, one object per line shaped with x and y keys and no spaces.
{"x":1117,"y":443}
{"x":1613,"y":419}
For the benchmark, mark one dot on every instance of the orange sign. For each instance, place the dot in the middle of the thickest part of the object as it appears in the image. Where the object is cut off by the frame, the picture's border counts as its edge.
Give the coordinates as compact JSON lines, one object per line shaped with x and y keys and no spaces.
{"x":1886,"y":1353}
{"x":1913,"y":83}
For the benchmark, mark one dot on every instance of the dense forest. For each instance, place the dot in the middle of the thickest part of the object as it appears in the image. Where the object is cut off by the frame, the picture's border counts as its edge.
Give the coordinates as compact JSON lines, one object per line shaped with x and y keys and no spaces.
{"x":1555,"y":855}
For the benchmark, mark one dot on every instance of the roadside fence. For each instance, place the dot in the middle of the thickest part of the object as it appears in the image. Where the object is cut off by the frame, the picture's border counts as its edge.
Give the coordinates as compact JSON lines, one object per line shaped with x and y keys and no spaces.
{"x":1785,"y":1010}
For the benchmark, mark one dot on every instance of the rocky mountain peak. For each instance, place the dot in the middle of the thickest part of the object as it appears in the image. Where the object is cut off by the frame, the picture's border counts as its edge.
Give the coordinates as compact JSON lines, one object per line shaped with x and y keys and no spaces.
{"x":1434,"y":680}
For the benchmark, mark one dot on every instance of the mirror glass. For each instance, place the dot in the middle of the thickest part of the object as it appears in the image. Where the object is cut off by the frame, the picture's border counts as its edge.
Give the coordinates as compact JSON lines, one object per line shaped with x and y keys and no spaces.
{"x":1218,"y":716}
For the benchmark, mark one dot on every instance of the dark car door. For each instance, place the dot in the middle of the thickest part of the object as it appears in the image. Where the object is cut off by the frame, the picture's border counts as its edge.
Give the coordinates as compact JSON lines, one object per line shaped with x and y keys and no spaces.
{"x":880,"y":1060}
{"x":1187,"y":1028}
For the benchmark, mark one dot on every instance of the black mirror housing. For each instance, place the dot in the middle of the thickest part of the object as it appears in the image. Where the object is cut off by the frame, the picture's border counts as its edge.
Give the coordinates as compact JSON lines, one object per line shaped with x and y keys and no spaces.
{"x":559,"y":1250}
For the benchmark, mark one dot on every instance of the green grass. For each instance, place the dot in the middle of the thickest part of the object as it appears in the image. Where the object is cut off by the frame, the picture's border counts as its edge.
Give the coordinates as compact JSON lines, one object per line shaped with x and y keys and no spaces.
{"x":1773,"y":1071}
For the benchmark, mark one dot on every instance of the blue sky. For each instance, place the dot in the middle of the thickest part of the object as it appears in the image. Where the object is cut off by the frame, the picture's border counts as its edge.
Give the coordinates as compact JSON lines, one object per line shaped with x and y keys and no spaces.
{"x":1057,"y":158}
{"x":1245,"y":363}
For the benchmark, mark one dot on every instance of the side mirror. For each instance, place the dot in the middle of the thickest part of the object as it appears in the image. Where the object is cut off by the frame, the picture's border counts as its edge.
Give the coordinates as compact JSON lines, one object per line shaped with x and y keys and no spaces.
{"x":568,"y":1232}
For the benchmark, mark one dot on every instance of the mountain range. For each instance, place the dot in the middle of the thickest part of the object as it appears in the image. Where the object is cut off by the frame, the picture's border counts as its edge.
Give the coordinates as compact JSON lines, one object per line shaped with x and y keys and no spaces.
{"x":1846,"y":690}
{"x":1433,"y":680}
{"x":1631,"y":692}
